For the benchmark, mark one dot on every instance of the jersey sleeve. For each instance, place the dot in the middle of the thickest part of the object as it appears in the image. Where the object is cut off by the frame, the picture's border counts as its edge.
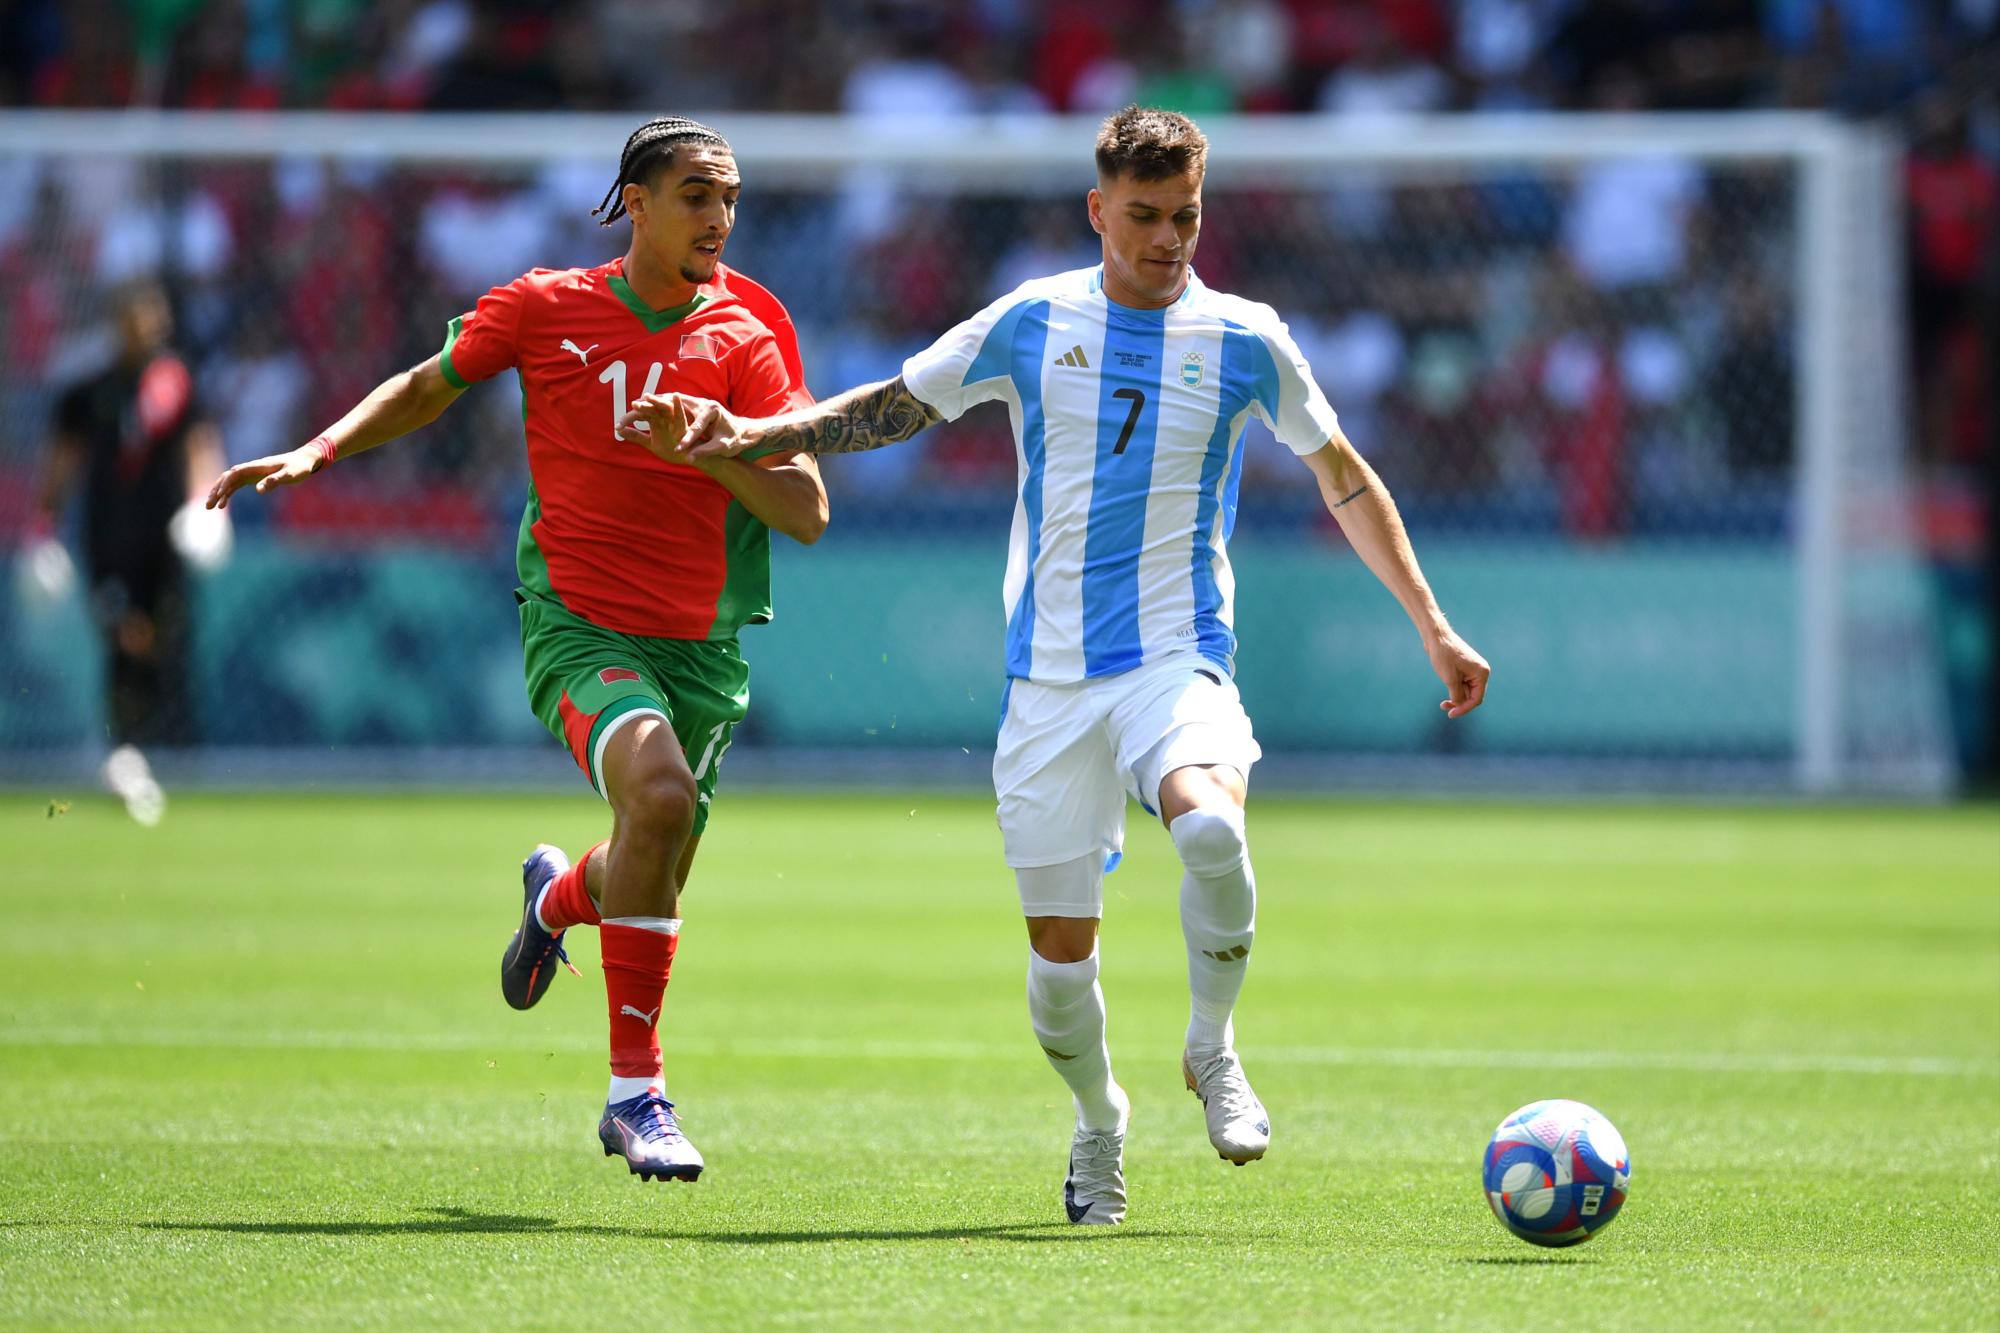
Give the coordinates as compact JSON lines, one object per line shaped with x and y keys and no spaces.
{"x":485,"y":340}
{"x":762,"y":384}
{"x":1289,"y":399}
{"x":971,"y":363}
{"x":771,"y":313}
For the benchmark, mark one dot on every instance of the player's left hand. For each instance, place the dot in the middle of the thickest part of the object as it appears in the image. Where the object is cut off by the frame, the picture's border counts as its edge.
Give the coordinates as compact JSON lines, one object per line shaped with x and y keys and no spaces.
{"x":1463,"y":671}
{"x":658,"y":421}
{"x":683,"y":429}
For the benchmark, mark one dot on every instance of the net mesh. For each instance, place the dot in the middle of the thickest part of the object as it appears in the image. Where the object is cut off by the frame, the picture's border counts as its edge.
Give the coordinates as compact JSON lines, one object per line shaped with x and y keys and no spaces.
{"x":1581,"y":380}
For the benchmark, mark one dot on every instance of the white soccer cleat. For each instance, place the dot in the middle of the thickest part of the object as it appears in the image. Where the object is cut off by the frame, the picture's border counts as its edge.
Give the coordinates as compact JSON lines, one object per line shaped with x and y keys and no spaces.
{"x":1238,"y":1125}
{"x":1094,"y":1192}
{"x":130,"y":778}
{"x":645,"y":1132}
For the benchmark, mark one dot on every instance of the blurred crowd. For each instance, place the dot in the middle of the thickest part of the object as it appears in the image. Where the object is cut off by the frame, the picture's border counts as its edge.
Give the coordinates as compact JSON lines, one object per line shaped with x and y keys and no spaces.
{"x":1596,"y":352}
{"x":938,"y":56}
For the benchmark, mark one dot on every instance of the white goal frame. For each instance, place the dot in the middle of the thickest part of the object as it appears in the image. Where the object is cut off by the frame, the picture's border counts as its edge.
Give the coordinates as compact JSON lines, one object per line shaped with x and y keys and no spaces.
{"x":1852,"y":381}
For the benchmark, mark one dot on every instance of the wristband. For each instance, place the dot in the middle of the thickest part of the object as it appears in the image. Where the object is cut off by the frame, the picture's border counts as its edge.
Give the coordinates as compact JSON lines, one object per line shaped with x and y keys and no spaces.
{"x":325,"y":448}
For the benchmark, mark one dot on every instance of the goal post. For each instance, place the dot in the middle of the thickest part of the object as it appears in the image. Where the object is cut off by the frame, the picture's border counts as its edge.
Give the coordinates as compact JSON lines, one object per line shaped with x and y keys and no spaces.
{"x":1639,"y":383}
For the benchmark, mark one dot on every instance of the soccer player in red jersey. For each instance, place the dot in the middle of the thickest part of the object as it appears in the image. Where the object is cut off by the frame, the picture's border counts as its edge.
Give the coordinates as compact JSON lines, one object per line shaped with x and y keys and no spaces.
{"x":635,"y":574}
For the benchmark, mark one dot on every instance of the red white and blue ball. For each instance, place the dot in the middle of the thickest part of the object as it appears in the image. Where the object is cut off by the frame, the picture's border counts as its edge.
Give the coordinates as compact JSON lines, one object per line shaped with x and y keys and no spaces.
{"x":1556,"y":1172}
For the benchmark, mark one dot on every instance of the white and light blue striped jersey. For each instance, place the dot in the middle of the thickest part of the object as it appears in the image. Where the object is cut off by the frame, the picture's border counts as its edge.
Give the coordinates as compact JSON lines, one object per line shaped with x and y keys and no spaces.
{"x":1128,"y":425}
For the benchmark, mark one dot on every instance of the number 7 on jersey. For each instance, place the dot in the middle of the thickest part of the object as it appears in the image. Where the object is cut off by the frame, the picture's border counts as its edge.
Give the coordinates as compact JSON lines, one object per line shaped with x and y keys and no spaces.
{"x":1138,"y":397}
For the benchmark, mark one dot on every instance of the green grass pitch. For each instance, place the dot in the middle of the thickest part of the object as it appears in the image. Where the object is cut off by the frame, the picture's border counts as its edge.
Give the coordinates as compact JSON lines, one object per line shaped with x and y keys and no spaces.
{"x":255,"y":1071}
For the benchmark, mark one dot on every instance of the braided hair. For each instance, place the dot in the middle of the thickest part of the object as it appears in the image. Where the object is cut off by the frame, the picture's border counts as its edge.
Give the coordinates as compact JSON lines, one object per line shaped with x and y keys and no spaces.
{"x":650,"y":147}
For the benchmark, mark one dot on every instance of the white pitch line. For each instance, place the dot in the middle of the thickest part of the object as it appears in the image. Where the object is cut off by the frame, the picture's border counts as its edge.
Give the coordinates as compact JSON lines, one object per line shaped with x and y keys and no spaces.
{"x":807,"y":1048}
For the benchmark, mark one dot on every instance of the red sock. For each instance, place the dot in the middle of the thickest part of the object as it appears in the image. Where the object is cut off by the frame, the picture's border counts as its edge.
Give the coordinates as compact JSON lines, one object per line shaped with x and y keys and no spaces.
{"x":566,"y":902}
{"x":636,"y":963}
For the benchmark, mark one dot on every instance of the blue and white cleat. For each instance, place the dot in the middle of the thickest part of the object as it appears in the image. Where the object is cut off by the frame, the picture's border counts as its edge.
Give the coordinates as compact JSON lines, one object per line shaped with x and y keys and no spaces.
{"x":1239,"y":1128}
{"x":529,"y":964}
{"x":645,"y":1131}
{"x":1094,"y":1191}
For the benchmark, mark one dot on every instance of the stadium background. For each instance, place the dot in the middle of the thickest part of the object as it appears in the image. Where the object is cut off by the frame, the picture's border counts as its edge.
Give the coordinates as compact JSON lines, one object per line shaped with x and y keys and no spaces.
{"x":1581,"y":379}
{"x":1688,"y":396}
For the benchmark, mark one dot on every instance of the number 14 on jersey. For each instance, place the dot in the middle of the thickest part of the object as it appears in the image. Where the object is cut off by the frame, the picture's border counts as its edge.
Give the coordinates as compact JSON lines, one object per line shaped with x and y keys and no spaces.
{"x":621,"y":395}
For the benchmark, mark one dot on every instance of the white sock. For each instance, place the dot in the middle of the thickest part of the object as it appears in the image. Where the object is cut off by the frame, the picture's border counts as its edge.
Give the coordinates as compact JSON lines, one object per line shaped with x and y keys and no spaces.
{"x":1066,"y":1006}
{"x":625,"y":1089}
{"x":659,"y":925}
{"x":1218,"y":921}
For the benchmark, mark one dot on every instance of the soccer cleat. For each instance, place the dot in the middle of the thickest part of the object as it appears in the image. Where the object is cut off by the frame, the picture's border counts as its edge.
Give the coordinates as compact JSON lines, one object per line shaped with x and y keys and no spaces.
{"x":529,"y":964}
{"x":645,"y":1131}
{"x":1094,"y":1192}
{"x":1238,"y":1125}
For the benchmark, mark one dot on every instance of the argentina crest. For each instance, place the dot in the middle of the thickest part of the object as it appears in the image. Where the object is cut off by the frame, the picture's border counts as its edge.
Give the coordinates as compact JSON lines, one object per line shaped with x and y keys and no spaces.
{"x":1191,"y":370}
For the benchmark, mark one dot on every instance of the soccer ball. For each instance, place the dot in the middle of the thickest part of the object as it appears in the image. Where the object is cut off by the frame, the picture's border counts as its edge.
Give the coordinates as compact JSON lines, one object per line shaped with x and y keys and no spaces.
{"x":1556,"y":1172}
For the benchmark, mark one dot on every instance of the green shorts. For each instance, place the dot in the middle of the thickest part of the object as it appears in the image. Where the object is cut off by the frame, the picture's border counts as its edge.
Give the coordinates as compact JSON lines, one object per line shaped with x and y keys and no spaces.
{"x":585,"y":681}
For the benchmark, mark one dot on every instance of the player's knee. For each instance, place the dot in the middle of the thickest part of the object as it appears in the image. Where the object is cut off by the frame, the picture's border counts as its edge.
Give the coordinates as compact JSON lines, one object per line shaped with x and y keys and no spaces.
{"x":660,"y":800}
{"x":1211,"y":840}
{"x":1063,"y":939}
{"x":1054,"y":986}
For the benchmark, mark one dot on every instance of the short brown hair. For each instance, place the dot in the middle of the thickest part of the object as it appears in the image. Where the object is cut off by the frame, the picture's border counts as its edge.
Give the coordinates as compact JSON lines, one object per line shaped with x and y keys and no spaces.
{"x":1149,"y":144}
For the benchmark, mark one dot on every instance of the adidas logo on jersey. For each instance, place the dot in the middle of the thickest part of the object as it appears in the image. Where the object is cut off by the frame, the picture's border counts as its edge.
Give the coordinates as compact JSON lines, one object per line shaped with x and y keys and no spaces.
{"x":1074,"y":357}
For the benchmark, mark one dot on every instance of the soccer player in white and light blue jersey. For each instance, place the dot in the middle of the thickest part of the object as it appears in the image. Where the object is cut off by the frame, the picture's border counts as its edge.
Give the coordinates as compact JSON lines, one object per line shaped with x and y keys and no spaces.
{"x":1129,"y":386}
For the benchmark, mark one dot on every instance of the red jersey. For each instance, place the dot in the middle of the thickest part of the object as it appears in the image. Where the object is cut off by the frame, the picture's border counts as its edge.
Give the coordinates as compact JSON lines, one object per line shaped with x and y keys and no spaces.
{"x":619,"y":537}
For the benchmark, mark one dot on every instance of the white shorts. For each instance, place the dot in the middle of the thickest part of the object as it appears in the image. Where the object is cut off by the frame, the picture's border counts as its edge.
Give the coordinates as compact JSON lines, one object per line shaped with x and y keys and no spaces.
{"x":1069,"y":755}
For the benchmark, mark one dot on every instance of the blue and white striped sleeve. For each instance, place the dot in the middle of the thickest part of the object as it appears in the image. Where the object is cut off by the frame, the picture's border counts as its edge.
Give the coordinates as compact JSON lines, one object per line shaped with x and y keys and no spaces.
{"x":970,"y":364}
{"x":1300,"y":416}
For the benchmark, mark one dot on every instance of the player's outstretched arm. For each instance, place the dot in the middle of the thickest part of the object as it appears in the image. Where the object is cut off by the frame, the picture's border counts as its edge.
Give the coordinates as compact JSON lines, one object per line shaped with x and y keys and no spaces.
{"x":397,"y":406}
{"x":1361,"y":504}
{"x":684,"y":430}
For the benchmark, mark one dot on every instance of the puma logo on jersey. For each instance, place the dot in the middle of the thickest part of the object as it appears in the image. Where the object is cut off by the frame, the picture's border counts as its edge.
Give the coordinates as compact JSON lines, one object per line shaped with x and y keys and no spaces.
{"x":639,"y":1014}
{"x":1074,"y":357}
{"x":582,"y":353}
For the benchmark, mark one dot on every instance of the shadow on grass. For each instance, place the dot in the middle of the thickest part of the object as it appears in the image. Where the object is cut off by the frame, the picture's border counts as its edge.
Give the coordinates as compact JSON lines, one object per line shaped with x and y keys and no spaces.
{"x":1536,"y":1259}
{"x":462,"y":1222}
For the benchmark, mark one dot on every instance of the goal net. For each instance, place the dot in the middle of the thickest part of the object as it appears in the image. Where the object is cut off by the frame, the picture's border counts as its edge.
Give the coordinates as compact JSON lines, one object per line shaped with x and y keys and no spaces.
{"x":1638,"y":385}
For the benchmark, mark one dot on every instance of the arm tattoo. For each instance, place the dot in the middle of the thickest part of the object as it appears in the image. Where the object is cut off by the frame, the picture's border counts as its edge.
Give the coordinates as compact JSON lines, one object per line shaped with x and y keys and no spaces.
{"x":1358,"y":491}
{"x":857,"y":421}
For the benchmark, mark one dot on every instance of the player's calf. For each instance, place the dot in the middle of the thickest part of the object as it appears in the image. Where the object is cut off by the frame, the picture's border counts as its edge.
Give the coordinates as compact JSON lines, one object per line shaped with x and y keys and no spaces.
{"x":1218,"y":921}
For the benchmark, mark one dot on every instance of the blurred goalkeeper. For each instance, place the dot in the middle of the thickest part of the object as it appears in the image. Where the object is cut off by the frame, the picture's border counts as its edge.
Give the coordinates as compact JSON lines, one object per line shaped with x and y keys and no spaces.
{"x":635,"y":574}
{"x":134,"y":439}
{"x":1128,"y":385}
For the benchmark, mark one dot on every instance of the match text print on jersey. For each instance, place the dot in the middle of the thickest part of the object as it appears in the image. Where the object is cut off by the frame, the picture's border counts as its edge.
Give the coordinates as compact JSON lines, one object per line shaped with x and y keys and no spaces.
{"x":621,"y":397}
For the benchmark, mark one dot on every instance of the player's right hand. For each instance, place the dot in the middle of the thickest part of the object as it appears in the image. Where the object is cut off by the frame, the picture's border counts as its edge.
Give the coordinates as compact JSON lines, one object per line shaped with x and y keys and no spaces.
{"x":267,"y":472}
